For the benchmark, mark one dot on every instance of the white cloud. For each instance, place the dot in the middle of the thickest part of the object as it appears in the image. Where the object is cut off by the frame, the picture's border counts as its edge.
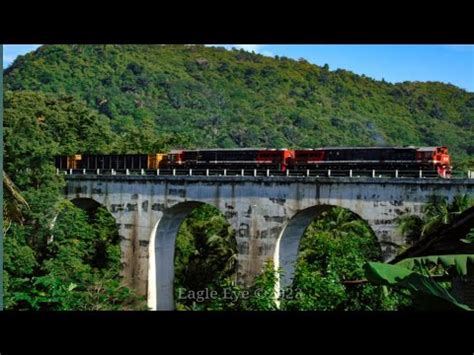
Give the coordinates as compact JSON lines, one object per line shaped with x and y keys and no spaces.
{"x":267,"y":53}
{"x":12,"y":51}
{"x":461,"y":47}
{"x":8,"y":58}
{"x":249,"y":47}
{"x":246,"y":47}
{"x":257,"y":48}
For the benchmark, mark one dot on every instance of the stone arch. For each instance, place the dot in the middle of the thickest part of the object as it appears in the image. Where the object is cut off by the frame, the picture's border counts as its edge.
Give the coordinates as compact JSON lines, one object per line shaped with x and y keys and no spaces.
{"x":287,"y":246}
{"x":161,"y":254}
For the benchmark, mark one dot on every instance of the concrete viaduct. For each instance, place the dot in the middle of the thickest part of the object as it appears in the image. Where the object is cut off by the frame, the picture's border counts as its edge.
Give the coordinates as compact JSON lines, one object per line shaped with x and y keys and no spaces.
{"x":269,"y":215}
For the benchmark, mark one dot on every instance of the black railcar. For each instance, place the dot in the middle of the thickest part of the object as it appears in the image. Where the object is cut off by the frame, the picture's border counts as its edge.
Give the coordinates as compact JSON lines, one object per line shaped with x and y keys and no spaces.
{"x":113,"y":161}
{"x":245,"y":158}
{"x":376,"y":155}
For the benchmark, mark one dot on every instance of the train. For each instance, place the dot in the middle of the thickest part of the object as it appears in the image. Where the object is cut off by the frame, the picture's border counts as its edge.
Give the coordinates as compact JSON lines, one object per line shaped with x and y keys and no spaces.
{"x":430,"y":160}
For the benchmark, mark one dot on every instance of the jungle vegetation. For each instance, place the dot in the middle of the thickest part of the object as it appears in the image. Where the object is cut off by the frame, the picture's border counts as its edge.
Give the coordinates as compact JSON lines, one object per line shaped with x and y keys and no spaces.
{"x":430,"y":279}
{"x":65,"y":99}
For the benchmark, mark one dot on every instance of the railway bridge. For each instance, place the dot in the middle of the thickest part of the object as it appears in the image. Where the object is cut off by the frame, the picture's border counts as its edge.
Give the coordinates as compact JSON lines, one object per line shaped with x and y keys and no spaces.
{"x":268,"y":213}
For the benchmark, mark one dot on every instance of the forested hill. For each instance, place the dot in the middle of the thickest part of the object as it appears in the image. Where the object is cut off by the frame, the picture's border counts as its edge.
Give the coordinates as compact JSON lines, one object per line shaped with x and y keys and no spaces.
{"x":159,"y":97}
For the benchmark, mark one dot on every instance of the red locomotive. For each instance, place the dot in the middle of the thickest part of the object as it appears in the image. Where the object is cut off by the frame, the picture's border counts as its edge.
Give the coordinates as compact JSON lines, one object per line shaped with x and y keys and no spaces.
{"x":248,"y":158}
{"x":431,"y":160}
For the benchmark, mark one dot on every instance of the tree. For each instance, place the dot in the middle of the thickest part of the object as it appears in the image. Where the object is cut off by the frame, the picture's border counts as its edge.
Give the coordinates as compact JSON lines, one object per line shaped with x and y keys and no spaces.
{"x":437,"y":212}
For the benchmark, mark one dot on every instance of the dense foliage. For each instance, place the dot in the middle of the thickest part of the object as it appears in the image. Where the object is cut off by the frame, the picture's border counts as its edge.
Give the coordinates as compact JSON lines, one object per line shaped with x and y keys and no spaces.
{"x":56,"y":256}
{"x":438,"y":212}
{"x":194,"y":96}
{"x":429,"y":279}
{"x":76,"y":268}
{"x":206,"y":266}
{"x":64,"y":99}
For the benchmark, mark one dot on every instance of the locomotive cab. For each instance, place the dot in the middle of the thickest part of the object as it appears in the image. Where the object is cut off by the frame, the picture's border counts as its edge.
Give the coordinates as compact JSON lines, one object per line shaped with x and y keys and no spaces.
{"x":441,"y":156}
{"x":442,"y":160}
{"x":436,"y":158}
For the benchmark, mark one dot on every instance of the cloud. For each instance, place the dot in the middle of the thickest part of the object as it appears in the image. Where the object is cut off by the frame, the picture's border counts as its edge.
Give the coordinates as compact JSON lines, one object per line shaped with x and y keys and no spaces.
{"x":249,"y":47}
{"x":11,"y":51}
{"x":461,"y":47}
{"x":8,"y":58}
{"x":267,"y":53}
{"x":257,"y":48}
{"x":246,"y":47}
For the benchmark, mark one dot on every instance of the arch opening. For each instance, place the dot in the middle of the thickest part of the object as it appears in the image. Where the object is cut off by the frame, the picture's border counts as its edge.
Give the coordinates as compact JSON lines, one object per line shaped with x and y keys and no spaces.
{"x":85,"y":253}
{"x":289,"y":242}
{"x":192,"y":245}
{"x":87,"y":204}
{"x":106,"y":236}
{"x":320,"y":249}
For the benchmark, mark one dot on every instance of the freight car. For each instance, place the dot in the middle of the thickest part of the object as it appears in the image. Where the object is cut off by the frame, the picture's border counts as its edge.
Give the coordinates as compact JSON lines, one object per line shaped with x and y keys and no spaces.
{"x":113,"y":161}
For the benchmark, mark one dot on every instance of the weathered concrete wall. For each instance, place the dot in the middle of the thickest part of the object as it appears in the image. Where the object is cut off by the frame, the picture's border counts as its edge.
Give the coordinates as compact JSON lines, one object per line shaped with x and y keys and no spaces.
{"x":269,"y":214}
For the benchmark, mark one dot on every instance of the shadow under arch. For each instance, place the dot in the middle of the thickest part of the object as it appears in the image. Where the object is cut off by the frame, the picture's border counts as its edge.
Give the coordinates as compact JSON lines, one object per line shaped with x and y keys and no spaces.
{"x":87,"y":204}
{"x":162,"y":252}
{"x":287,"y":247}
{"x":91,"y":206}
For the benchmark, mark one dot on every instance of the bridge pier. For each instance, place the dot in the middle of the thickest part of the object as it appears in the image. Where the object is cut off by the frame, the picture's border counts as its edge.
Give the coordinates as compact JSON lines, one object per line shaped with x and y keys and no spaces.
{"x":256,"y":234}
{"x":287,"y":247}
{"x":162,"y":255}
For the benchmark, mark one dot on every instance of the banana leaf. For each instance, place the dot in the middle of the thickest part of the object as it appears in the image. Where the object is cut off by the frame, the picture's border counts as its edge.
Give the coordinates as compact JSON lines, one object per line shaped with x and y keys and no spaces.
{"x":461,"y":263}
{"x":427,"y":293}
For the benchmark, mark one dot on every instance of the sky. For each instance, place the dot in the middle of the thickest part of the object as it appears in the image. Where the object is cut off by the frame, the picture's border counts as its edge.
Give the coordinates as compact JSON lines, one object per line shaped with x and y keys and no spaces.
{"x":452,"y":64}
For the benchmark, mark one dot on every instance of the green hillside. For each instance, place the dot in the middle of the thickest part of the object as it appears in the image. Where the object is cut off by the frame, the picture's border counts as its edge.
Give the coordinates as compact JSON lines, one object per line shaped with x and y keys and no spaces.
{"x":160,"y":96}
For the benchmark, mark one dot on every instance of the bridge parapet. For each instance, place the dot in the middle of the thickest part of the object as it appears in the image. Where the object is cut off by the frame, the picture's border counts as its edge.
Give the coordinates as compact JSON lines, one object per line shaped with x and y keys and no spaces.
{"x":269,"y":173}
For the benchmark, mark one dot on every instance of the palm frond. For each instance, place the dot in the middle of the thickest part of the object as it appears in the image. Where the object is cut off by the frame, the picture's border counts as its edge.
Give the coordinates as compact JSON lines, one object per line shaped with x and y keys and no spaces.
{"x":12,"y":190}
{"x":13,"y":201}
